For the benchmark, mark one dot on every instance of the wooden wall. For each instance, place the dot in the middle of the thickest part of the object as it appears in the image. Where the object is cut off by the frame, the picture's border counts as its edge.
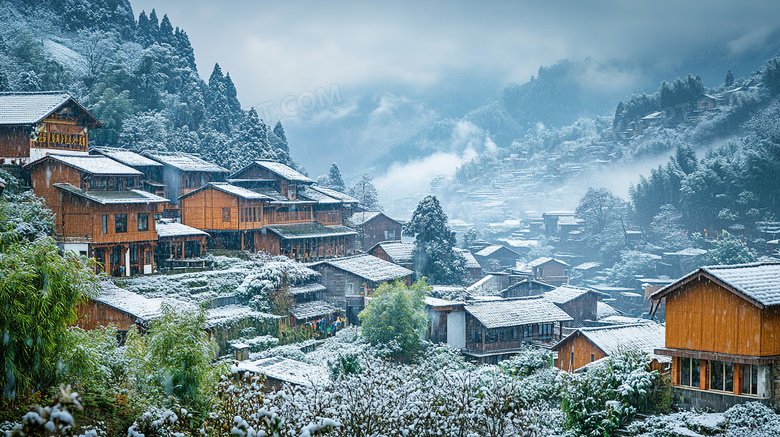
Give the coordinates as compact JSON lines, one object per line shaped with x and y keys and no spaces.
{"x":81,"y":218}
{"x":770,"y":332}
{"x":374,"y":231}
{"x":704,"y":316}
{"x":15,"y":142}
{"x":93,"y":314}
{"x":204,"y":210}
{"x":582,"y":349}
{"x":582,"y":308}
{"x":44,"y":175}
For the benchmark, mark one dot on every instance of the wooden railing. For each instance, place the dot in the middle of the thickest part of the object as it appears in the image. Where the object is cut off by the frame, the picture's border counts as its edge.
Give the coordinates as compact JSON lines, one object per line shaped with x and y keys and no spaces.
{"x":290,"y":217}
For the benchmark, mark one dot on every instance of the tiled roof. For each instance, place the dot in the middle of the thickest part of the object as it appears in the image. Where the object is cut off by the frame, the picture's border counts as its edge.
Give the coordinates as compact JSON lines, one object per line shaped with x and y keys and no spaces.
{"x":127,"y":157}
{"x":309,"y":230}
{"x":490,"y":250}
{"x":318,"y":196}
{"x":369,"y":267}
{"x":587,"y":266}
{"x":313,"y":309}
{"x":359,"y":218}
{"x":185,"y":161}
{"x":605,"y":310}
{"x":305,"y":289}
{"x":286,"y":370}
{"x":758,"y":281}
{"x":20,"y":108}
{"x":141,"y":307}
{"x":113,"y":197}
{"x":566,"y":293}
{"x":335,"y":194}
{"x":167,"y":229}
{"x":399,"y":252}
{"x":283,"y":171}
{"x":471,"y":262}
{"x":539,"y":261}
{"x":643,"y":336}
{"x":232,"y":189}
{"x":92,"y":164}
{"x":514,"y":312}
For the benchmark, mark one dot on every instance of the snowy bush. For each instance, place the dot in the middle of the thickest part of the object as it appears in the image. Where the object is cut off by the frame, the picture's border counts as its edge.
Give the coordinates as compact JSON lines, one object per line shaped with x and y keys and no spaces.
{"x":752,"y":418}
{"x":526,"y":362}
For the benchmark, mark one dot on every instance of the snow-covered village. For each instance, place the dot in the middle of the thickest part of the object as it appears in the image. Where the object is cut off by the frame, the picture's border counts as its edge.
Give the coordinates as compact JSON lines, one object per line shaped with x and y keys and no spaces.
{"x":452,"y":219}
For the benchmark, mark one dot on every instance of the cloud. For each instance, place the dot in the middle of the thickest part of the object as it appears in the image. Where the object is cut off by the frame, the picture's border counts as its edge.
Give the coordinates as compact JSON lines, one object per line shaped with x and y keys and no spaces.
{"x":752,"y":39}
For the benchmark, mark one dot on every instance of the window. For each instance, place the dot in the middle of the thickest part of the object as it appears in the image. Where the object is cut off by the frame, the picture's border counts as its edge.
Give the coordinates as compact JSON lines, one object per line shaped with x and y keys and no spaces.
{"x":749,"y":374}
{"x":120,"y":223}
{"x":143,"y":221}
{"x":592,"y":357}
{"x":721,"y":376}
{"x":105,"y":223}
{"x":226,"y":214}
{"x":491,"y":336}
{"x":475,"y":334}
{"x":390,"y":234}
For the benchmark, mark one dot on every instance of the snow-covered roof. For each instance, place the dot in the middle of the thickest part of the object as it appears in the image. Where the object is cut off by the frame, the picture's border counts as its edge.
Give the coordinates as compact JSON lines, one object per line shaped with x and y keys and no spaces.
{"x":185,"y":161}
{"x":318,"y":196}
{"x":112,"y":197}
{"x":28,"y":108}
{"x":92,"y":164}
{"x":399,"y":252}
{"x":169,"y":229}
{"x":517,"y":311}
{"x":490,"y":250}
{"x":281,"y":170}
{"x":471,"y":262}
{"x":127,"y":157}
{"x":544,"y":260}
{"x":691,"y":251}
{"x":369,"y":267}
{"x":233,"y":313}
{"x":306,"y":289}
{"x":566,"y":293}
{"x":309,"y":230}
{"x":618,"y":319}
{"x":605,"y":310}
{"x":759,"y":283}
{"x":334,"y":194}
{"x":587,"y":266}
{"x":143,"y":308}
{"x":286,"y":370}
{"x":313,"y":309}
{"x":435,"y":302}
{"x":235,"y":190}
{"x":359,"y":218}
{"x":611,"y":339}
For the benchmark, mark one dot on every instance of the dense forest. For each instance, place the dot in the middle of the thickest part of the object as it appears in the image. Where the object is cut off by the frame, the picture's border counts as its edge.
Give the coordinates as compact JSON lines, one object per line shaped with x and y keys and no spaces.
{"x":137,"y":76}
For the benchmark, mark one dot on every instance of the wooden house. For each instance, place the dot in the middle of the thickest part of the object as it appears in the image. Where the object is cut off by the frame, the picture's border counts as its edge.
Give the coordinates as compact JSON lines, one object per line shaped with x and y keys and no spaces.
{"x":588,"y":345}
{"x":152,"y":171}
{"x":550,"y":220}
{"x":33,"y":124}
{"x":177,"y":242}
{"x":708,"y":102}
{"x":496,"y":329}
{"x":439,"y":311}
{"x":396,"y":252}
{"x":183,"y":173}
{"x":723,"y":334}
{"x":549,"y":270}
{"x":496,"y":256}
{"x":268,"y":206}
{"x":473,"y":268}
{"x":374,"y":227}
{"x":526,"y":287}
{"x":579,"y":303}
{"x":98,"y":210}
{"x":350,"y":281}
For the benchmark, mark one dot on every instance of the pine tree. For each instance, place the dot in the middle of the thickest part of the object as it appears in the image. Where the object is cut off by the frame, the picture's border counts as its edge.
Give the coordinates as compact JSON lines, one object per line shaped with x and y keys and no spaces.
{"x":434,"y":255}
{"x":334,"y":179}
{"x":279,"y":133}
{"x":154,"y":28}
{"x":144,"y":30}
{"x":165,"y":34}
{"x":729,"y":79}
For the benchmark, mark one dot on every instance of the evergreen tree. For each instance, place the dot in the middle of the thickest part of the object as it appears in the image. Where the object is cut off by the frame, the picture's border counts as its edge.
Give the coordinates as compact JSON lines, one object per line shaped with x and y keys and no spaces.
{"x":334,"y":179}
{"x":154,"y":28}
{"x":184,"y":48}
{"x":282,"y":138}
{"x":144,"y":30}
{"x":729,"y":79}
{"x":434,"y":255}
{"x":165,"y":34}
{"x":365,"y":192}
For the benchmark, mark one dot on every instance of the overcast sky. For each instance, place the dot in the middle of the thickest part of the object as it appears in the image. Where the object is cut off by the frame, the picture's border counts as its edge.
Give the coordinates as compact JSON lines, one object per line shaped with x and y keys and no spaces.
{"x":276,"y":49}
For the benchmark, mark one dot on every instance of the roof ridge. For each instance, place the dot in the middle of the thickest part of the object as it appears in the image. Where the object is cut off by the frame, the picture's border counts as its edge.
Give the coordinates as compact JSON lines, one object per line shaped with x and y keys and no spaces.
{"x":49,"y":92}
{"x":610,"y":327}
{"x":741,"y":266}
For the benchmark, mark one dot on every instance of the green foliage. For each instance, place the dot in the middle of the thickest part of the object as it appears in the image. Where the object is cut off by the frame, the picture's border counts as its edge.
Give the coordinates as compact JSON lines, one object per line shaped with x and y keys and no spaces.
{"x":334,"y":178}
{"x":599,"y":401}
{"x":396,"y":313}
{"x":604,"y":221}
{"x":344,"y":366}
{"x":729,"y":250}
{"x":434,"y":257}
{"x":526,"y":362}
{"x":39,"y":292}
{"x":174,"y":359}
